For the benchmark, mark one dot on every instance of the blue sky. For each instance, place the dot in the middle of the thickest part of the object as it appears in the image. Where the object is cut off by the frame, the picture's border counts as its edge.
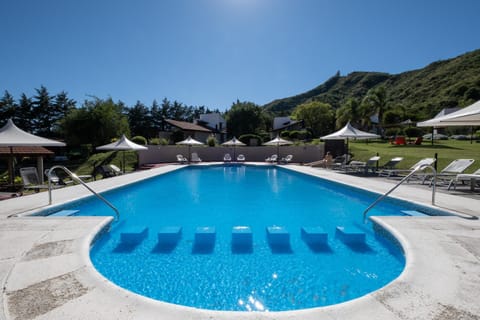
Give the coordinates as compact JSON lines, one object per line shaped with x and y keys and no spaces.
{"x":213,"y":52}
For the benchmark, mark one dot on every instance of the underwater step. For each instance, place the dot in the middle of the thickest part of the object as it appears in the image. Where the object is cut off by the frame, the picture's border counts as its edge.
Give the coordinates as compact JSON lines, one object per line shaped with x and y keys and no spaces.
{"x":350,"y":235}
{"x":278,"y":235}
{"x":314,"y":235}
{"x":242,"y":236}
{"x":414,"y":213}
{"x":169,"y":235}
{"x":64,"y":213}
{"x":134,"y":235}
{"x":205,"y":236}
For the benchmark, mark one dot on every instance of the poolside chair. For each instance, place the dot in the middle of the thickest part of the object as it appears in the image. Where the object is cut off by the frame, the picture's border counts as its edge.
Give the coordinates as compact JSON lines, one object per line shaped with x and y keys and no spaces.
{"x":240,"y":157}
{"x":404,"y":172}
{"x":390,"y":165}
{"x":55,"y":179}
{"x":287,"y":159}
{"x":107,"y":171}
{"x":181,"y":159}
{"x":227,"y":157}
{"x":360,"y":166}
{"x":272,"y":158}
{"x":195,"y":157}
{"x":31,"y":180}
{"x":450,"y":172}
{"x":473,"y":178}
{"x":340,"y":162}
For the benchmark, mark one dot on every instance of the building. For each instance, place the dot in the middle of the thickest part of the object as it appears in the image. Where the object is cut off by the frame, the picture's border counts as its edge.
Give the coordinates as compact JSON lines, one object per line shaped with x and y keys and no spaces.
{"x":285,"y":124}
{"x":216,"y":123}
{"x":193,"y":130}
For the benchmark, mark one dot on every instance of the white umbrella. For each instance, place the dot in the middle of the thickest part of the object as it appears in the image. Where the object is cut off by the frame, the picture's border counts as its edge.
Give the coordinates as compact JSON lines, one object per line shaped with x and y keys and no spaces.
{"x":278,"y":142}
{"x":190,"y":142}
{"x":12,"y":136}
{"x":468,"y":116}
{"x":349,"y":132}
{"x":233,"y":142}
{"x":122,"y":144}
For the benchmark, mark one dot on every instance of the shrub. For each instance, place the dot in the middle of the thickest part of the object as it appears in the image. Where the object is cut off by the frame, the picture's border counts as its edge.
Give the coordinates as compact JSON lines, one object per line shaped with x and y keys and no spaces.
{"x":139,"y":140}
{"x":211,"y":141}
{"x":154,"y":141}
{"x":285,"y":134}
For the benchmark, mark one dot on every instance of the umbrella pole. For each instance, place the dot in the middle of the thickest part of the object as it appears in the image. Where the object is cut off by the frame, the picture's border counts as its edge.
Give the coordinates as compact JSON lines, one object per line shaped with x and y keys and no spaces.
{"x":124,"y":162}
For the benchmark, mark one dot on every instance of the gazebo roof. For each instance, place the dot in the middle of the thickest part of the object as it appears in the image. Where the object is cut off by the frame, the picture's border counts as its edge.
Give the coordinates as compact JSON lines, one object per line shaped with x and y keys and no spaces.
{"x":25,"y":151}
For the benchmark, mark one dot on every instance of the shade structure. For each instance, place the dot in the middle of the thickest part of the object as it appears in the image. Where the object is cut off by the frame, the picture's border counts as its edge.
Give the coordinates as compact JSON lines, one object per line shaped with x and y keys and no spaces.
{"x":350,"y":132}
{"x":12,"y":136}
{"x":468,"y":116}
{"x":190,"y":142}
{"x":122,"y":144}
{"x":233,"y":142}
{"x":278,"y":142}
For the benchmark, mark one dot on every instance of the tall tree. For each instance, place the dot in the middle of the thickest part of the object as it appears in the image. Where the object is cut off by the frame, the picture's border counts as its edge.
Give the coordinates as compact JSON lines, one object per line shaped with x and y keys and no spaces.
{"x":139,"y":120}
{"x":97,"y":122}
{"x":350,"y":111}
{"x":374,"y":103}
{"x":24,"y":114}
{"x":318,"y":117}
{"x":7,"y":108}
{"x":244,"y":118}
{"x":44,"y":115}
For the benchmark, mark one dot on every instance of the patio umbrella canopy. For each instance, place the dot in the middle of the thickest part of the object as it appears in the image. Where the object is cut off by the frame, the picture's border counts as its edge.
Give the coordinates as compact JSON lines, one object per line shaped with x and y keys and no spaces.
{"x":233,"y":142}
{"x":468,"y":116}
{"x":190,"y":142}
{"x":278,"y":142}
{"x":122,"y":144}
{"x":348,"y":132}
{"x":12,"y":136}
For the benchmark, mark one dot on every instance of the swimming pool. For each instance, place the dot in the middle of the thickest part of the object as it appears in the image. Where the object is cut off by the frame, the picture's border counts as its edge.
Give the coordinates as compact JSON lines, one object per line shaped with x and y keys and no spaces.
{"x":261,"y":276}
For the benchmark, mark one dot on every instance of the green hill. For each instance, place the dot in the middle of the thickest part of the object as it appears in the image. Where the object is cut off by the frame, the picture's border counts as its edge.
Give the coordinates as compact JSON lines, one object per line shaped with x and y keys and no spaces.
{"x":422,"y":93}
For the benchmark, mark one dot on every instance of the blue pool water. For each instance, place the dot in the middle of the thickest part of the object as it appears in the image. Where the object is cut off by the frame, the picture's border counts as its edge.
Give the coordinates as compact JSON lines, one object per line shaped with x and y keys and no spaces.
{"x":260,"y":276}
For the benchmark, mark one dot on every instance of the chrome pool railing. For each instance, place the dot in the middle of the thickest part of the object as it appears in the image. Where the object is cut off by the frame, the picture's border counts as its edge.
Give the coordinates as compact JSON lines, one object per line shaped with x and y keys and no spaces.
{"x":76,"y":178}
{"x":422,"y":167}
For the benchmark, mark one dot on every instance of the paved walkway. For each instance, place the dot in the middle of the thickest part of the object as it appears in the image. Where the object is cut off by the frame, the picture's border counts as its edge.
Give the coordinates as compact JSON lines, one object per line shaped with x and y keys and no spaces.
{"x":46,"y":272}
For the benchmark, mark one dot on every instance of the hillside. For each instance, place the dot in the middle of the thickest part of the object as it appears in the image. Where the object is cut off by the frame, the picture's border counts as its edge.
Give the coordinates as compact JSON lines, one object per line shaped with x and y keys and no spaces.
{"x":423,"y":92}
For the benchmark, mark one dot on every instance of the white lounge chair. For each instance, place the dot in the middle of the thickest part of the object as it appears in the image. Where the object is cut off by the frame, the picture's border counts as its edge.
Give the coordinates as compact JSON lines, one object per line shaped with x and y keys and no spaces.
{"x":405,"y":172}
{"x":360,"y":166}
{"x":272,"y":158}
{"x":227,"y":157}
{"x":450,"y":172}
{"x":181,"y":159}
{"x":473,"y":178}
{"x":31,"y":180}
{"x":240,"y":157}
{"x":195,"y":157}
{"x":390,"y":165}
{"x":287,"y":159}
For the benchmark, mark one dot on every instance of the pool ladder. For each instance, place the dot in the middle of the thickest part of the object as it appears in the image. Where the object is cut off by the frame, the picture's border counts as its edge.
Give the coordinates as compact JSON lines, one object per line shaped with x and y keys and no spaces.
{"x":76,"y":178}
{"x":419,"y":168}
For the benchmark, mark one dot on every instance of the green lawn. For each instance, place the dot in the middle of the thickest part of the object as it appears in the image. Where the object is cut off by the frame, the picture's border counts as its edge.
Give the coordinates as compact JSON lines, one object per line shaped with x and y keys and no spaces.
{"x":447,"y":150}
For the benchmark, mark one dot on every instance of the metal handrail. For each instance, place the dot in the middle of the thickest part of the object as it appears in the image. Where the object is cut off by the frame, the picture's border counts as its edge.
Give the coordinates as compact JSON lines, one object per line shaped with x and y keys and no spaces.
{"x":76,"y":178}
{"x":422,"y":167}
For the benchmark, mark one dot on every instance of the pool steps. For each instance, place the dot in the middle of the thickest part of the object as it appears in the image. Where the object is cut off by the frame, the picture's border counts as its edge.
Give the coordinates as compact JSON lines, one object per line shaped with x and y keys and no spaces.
{"x":169,"y":235}
{"x":350,"y":235}
{"x":314,"y":235}
{"x":134,"y":235}
{"x":64,"y":213}
{"x":242,"y":237}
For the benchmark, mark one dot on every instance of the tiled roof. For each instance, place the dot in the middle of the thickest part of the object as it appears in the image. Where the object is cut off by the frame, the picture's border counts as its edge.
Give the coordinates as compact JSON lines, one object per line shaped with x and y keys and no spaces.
{"x":25,"y":150}
{"x":187,"y":126}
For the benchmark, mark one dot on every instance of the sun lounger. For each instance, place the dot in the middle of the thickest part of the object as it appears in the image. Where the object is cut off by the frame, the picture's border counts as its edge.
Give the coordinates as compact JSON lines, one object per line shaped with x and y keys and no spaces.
{"x":360,"y":166}
{"x":195,"y":157}
{"x":473,"y":178}
{"x":241,"y":157}
{"x":227,"y":157}
{"x":450,"y":172}
{"x":287,"y":159}
{"x":32,"y":181}
{"x":404,"y":172}
{"x":340,"y":162}
{"x":181,"y":159}
{"x":272,"y":158}
{"x":390,"y":165}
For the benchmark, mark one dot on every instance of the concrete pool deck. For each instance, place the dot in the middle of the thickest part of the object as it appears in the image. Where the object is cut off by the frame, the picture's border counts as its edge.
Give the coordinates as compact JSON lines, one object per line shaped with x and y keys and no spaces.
{"x":46,"y":272}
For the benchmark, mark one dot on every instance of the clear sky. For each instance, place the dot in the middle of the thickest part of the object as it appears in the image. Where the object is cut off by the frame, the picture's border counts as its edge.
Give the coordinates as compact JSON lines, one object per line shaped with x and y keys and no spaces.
{"x":213,"y":52}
